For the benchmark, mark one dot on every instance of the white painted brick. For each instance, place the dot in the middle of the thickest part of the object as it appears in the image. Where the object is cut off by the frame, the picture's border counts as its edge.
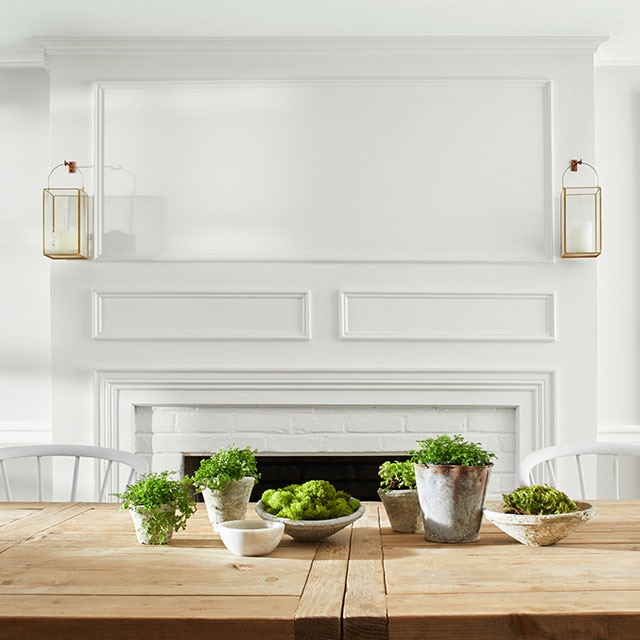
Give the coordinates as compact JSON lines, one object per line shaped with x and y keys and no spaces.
{"x":498,"y":419}
{"x":374,"y":421}
{"x":349,"y":443}
{"x":436,"y":420}
{"x":282,"y":443}
{"x":266,"y":421}
{"x":217,"y":421}
{"x":163,"y":420}
{"x":318,"y":421}
{"x":144,"y":419}
{"x":401,"y":443}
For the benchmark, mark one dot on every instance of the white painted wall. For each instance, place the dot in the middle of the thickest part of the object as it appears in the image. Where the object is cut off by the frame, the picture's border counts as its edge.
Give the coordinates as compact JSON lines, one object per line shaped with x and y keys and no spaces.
{"x":618,"y":161}
{"x":566,"y":348}
{"x":25,"y":346}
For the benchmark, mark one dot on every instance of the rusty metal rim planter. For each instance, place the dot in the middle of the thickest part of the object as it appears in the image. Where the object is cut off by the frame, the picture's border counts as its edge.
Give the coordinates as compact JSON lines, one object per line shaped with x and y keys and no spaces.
{"x":451,"y":501}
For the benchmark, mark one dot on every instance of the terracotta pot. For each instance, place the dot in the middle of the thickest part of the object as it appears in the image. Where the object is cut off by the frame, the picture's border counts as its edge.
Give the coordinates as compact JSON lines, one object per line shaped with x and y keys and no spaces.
{"x":229,"y":503}
{"x":451,"y":500}
{"x":403,"y":509}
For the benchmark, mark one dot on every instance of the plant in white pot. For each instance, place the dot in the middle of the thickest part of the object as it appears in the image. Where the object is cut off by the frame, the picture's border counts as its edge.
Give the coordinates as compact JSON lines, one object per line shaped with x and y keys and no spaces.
{"x":225,"y":481}
{"x":399,"y":495}
{"x":451,"y":478}
{"x":159,"y":505}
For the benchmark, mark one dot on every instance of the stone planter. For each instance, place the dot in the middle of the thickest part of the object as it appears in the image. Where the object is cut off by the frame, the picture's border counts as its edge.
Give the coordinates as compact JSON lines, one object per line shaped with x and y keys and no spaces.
{"x":451,"y":501}
{"x":145,"y":530}
{"x":403,"y":509}
{"x":229,"y":503}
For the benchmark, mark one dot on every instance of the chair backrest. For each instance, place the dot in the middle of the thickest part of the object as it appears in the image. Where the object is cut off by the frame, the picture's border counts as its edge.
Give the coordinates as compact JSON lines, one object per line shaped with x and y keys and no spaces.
{"x":134,"y":464}
{"x":548,"y":455}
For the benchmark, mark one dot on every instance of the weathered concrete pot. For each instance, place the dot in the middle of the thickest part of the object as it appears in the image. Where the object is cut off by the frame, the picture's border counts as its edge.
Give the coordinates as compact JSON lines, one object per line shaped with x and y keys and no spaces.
{"x":146,"y":531}
{"x":229,"y":503}
{"x":403,"y":509}
{"x":451,"y":500}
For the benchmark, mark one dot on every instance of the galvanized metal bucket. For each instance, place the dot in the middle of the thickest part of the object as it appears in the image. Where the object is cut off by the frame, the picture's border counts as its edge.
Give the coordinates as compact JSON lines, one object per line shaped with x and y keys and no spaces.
{"x":451,"y":501}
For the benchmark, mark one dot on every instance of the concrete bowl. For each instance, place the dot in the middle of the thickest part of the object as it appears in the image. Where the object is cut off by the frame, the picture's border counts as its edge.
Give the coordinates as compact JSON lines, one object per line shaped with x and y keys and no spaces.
{"x":538,"y":531}
{"x":311,"y":530}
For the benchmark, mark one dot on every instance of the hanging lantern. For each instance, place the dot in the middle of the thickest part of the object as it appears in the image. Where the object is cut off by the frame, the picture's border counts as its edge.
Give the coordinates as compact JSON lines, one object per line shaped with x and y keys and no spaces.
{"x":65,"y":219}
{"x":581,"y":217}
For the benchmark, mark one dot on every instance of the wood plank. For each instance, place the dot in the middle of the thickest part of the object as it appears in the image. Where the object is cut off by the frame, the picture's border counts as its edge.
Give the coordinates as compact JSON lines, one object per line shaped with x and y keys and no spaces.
{"x":559,"y":569}
{"x":583,"y":615}
{"x":319,"y":613}
{"x":162,"y":618}
{"x":365,"y":608}
{"x":47,"y":516}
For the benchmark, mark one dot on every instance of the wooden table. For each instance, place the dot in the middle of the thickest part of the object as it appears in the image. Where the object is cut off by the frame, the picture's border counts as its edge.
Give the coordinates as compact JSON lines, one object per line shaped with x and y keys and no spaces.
{"x":586,"y":587}
{"x":76,"y":571}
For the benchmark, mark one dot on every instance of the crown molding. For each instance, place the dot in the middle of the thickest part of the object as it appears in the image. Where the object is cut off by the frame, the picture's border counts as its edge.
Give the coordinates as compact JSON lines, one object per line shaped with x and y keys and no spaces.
{"x":21,"y":58}
{"x":459,"y":44}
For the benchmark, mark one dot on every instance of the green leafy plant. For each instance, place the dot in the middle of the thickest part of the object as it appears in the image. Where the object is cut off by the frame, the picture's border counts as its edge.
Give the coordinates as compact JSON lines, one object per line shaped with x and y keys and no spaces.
{"x":397,"y":475}
{"x":164,"y":502}
{"x":313,"y":500}
{"x":537,"y":499}
{"x":225,"y":466}
{"x":451,"y":450}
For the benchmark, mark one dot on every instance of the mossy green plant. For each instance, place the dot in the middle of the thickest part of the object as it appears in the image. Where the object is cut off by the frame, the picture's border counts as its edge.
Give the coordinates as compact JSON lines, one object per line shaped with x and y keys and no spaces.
{"x":313,"y":500}
{"x":538,"y":499}
{"x":165,"y":503}
{"x":397,"y":474}
{"x":225,"y":466}
{"x":451,"y":450}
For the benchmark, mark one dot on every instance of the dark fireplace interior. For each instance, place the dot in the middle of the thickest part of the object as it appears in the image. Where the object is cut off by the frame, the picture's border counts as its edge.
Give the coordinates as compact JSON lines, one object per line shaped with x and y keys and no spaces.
{"x":354,"y":473}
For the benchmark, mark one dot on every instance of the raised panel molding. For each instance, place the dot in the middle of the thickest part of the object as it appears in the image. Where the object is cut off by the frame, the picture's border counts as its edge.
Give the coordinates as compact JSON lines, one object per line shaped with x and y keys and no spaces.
{"x":201,"y":315}
{"x":424,"y":316}
{"x":406,"y":223}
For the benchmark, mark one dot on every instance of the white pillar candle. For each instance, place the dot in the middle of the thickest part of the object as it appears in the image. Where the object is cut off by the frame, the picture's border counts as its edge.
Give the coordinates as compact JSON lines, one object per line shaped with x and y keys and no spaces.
{"x":581,"y":238}
{"x":65,"y":241}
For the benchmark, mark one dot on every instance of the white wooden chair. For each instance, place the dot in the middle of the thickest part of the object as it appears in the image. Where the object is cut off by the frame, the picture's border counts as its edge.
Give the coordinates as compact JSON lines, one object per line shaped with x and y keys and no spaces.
{"x":133,"y":464}
{"x":548,"y":456}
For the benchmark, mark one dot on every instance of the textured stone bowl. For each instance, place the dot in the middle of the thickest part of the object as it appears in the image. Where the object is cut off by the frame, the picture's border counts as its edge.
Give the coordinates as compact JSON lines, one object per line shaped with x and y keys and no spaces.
{"x":539,"y":531}
{"x":250,"y":537}
{"x":311,"y":530}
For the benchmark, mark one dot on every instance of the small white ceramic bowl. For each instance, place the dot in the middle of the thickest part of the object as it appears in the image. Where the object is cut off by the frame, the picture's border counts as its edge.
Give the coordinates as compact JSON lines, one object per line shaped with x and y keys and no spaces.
{"x":539,"y":531}
{"x":250,"y":537}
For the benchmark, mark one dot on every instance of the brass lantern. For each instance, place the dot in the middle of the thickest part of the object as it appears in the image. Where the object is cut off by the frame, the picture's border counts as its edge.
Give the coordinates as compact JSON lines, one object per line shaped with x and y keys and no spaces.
{"x":65,"y":219}
{"x":581,"y":217}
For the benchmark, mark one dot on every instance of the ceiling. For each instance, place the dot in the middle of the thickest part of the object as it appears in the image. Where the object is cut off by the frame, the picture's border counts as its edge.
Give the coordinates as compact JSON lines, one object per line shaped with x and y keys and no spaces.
{"x":21,"y":20}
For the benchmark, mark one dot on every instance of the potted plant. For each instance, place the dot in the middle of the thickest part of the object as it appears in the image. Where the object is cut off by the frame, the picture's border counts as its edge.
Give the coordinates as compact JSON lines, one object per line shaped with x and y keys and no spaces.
{"x":159,"y":505}
{"x":399,"y":495}
{"x":225,"y":481}
{"x":451,"y":478}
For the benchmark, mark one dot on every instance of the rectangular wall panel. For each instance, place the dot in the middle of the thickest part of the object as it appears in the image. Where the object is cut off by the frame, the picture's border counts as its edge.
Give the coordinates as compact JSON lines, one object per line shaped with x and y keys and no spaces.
{"x":201,"y":316}
{"x":447,"y":316}
{"x":402,"y":169}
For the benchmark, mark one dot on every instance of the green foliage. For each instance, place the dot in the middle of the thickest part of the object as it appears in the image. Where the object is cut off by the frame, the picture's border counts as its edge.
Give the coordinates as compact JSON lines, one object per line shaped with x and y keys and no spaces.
{"x":538,"y":499}
{"x":452,"y":450}
{"x":225,"y":466}
{"x":313,"y":500}
{"x":397,"y":475}
{"x":164,"y":502}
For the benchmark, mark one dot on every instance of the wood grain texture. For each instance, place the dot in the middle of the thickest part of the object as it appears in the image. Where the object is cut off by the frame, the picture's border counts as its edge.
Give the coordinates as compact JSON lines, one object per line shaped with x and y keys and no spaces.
{"x":365,"y":607}
{"x":319,"y":613}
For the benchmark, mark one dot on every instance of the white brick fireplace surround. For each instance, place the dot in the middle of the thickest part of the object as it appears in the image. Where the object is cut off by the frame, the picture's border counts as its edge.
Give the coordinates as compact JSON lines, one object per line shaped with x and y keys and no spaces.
{"x":166,"y":415}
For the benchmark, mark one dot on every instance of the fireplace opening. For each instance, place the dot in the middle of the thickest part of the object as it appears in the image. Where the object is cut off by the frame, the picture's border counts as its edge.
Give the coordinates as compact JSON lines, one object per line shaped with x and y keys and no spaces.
{"x":357,"y":474}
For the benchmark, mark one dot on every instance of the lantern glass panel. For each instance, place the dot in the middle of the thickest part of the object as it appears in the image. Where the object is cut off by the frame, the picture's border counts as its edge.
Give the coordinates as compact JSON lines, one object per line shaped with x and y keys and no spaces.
{"x":581,"y":221}
{"x":65,"y":223}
